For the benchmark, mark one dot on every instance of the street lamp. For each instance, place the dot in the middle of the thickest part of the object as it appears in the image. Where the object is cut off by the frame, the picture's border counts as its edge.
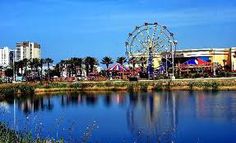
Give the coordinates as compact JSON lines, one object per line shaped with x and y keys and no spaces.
{"x":173,"y":48}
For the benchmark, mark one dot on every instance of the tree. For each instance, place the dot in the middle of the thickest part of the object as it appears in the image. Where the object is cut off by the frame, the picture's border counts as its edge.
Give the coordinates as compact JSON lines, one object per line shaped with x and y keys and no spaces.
{"x":90,"y":62}
{"x":25,"y":63}
{"x":121,"y":60}
{"x":55,"y":71}
{"x":61,"y":66}
{"x":107,"y":61}
{"x":142,"y":61}
{"x":34,"y":65}
{"x":77,"y":64}
{"x":133,"y":61}
{"x":9,"y":72}
{"x":48,"y":61}
{"x":19,"y":65}
{"x":42,"y":62}
{"x":69,"y":67}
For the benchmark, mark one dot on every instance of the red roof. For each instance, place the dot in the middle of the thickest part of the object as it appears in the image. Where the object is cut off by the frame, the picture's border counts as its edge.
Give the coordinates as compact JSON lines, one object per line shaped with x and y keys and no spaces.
{"x":117,"y":67}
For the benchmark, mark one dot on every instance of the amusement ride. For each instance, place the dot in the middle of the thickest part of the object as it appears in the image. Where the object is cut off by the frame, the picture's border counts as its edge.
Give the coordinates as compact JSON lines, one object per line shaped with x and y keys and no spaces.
{"x":152,"y":40}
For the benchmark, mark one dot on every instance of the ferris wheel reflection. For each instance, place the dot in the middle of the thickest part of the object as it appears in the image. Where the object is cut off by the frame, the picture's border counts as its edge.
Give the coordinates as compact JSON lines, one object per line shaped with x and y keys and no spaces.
{"x":152,"y":117}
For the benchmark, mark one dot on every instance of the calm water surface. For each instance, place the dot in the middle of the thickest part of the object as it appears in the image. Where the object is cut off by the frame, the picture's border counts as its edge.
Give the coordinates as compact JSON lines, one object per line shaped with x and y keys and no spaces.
{"x":178,"y":117}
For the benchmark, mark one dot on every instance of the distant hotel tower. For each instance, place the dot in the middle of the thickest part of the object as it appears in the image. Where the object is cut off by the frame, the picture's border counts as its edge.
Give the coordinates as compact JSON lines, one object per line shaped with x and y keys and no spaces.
{"x":4,"y":56}
{"x":27,"y":50}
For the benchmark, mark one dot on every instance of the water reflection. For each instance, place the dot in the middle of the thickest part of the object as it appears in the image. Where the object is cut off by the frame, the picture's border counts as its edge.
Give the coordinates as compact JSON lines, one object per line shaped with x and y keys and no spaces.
{"x":149,"y":116}
{"x":34,"y":104}
{"x":152,"y":116}
{"x":215,"y":106}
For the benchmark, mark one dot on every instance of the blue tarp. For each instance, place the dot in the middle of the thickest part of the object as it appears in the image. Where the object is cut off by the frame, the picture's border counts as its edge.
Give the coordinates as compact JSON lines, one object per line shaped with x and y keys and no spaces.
{"x":195,"y":61}
{"x":191,"y":62}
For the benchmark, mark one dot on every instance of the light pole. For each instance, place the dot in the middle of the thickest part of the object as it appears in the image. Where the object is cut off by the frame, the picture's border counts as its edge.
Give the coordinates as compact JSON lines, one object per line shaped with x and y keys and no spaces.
{"x":13,"y":68}
{"x":173,"y":48}
{"x":166,"y":69}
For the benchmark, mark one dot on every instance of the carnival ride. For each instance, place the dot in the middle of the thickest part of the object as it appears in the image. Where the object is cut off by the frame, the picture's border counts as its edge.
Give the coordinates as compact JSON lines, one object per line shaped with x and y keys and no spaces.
{"x":150,"y":41}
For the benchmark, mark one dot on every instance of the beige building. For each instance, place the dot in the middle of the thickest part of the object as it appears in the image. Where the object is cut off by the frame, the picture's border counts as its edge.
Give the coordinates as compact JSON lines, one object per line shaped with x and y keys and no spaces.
{"x":27,"y":50}
{"x":222,"y":56}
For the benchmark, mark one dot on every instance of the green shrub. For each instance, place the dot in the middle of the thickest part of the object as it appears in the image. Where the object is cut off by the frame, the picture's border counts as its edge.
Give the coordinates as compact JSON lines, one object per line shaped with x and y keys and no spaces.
{"x":57,"y":85}
{"x":143,"y":86}
{"x":76,"y":85}
{"x":130,"y":87}
{"x":191,"y":85}
{"x":215,"y":85}
{"x":158,"y":86}
{"x":7,"y":92}
{"x":26,"y":89}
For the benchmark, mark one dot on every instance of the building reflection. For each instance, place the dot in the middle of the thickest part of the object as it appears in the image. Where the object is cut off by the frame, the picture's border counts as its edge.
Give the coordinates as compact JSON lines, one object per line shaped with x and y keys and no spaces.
{"x":35,"y":104}
{"x":46,"y":102}
{"x":152,"y":116}
{"x":111,"y":98}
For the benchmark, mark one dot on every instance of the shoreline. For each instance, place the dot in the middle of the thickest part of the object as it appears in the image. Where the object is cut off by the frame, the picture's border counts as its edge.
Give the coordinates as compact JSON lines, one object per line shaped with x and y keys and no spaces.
{"x":201,"y":84}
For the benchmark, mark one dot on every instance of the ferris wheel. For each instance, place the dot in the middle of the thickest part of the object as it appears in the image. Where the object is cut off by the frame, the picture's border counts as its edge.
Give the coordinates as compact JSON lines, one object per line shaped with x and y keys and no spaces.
{"x":151,"y":40}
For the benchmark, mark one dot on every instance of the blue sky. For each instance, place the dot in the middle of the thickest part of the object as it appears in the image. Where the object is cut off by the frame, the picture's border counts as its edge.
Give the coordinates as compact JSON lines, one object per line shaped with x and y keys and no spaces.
{"x":67,"y":28}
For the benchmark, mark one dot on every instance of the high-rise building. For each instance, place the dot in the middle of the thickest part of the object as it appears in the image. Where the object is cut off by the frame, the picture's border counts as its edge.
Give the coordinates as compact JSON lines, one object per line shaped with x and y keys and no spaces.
{"x":4,"y":56}
{"x":27,"y":50}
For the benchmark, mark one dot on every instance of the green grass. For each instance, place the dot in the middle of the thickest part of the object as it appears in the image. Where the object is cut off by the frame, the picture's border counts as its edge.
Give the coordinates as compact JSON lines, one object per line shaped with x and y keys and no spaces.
{"x":9,"y":90}
{"x":10,"y":136}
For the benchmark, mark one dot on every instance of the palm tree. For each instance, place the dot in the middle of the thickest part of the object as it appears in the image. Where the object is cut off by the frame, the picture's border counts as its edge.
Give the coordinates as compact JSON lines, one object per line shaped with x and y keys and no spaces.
{"x":90,"y":62}
{"x":61,"y":66}
{"x":121,"y":60}
{"x":9,"y":72}
{"x":107,"y":61}
{"x":69,"y":67}
{"x":142,"y":61}
{"x":34,"y":65}
{"x":19,"y":65}
{"x":25,"y":63}
{"x":77,"y":63}
{"x":42,"y":62}
{"x":133,"y":61}
{"x":48,"y":61}
{"x":86,"y":62}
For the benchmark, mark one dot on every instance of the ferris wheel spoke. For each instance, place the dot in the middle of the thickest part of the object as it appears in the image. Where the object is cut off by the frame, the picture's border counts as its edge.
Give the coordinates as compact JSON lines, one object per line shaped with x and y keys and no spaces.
{"x":159,"y":42}
{"x":160,"y":49}
{"x":137,"y":48}
{"x":154,"y":33}
{"x":160,"y":33}
{"x":147,"y":31}
{"x":142,"y":43}
{"x":143,"y":36}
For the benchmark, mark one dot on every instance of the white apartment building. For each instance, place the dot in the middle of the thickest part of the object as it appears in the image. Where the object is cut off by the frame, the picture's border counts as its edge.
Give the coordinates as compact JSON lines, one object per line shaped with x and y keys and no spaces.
{"x":27,"y":50}
{"x":4,"y":56}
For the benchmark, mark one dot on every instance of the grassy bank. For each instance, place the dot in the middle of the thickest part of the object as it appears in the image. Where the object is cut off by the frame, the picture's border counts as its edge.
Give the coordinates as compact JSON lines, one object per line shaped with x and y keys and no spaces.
{"x":10,"y":136}
{"x":183,"y":84}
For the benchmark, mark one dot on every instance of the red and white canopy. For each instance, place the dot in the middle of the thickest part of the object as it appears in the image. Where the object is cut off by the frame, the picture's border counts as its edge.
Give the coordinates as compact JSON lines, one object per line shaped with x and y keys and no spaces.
{"x":117,"y":67}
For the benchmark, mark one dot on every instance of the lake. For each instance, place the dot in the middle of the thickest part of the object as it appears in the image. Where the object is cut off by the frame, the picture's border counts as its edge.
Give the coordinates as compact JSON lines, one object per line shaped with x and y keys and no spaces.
{"x":123,"y":117}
